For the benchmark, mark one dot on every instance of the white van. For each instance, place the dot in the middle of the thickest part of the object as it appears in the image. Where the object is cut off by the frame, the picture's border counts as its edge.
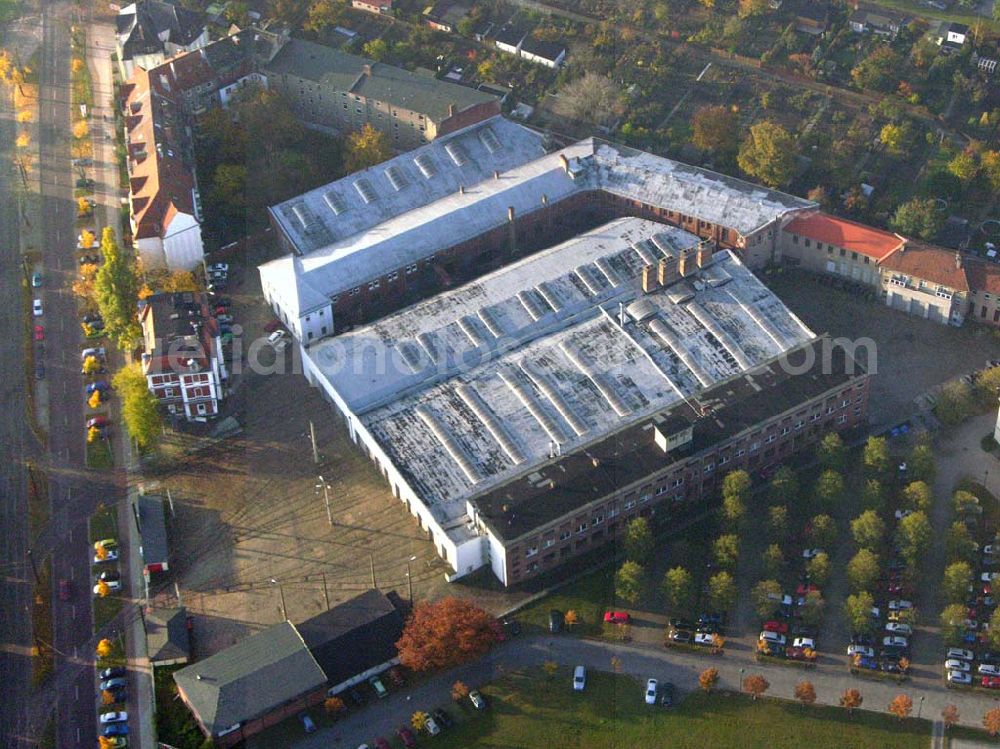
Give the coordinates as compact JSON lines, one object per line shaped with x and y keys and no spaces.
{"x":579,"y":678}
{"x":773,"y":638}
{"x":278,"y":339}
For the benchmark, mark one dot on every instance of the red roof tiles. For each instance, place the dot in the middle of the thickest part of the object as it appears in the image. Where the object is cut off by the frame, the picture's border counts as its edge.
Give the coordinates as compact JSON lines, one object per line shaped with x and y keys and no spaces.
{"x":839,"y":232}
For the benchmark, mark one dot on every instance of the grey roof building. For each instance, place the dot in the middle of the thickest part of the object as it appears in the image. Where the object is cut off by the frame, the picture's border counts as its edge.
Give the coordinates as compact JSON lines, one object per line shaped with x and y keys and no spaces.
{"x":149,"y":31}
{"x":167,"y":637}
{"x":252,"y":684}
{"x":153,"y":533}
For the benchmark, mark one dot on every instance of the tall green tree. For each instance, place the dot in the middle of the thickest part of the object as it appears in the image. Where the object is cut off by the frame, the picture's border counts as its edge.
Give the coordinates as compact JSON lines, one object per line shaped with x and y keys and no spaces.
{"x":857,"y":612}
{"x":823,"y":531}
{"x":818,"y":568}
{"x":722,"y":590}
{"x":953,"y":623}
{"x":766,"y":597}
{"x":784,"y":487}
{"x":876,"y":456}
{"x":917,"y":495}
{"x":831,"y":452}
{"x":716,"y":128}
{"x":868,"y":530}
{"x":872,"y":497}
{"x":366,"y":147}
{"x":863,"y":570}
{"x":139,"y":407}
{"x":955,"y":581}
{"x":638,"y":541}
{"x":829,"y":489}
{"x":958,"y":544}
{"x":918,"y":217}
{"x":630,"y":582}
{"x":768,"y":153}
{"x":116,"y":288}
{"x":678,"y":589}
{"x":727,"y":550}
{"x":921,"y":463}
{"x":773,"y":559}
{"x":913,"y":536}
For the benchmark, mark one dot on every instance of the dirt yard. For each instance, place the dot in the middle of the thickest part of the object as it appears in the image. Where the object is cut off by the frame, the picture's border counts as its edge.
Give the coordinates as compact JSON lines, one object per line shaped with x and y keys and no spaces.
{"x":248,"y":511}
{"x":914,"y":355}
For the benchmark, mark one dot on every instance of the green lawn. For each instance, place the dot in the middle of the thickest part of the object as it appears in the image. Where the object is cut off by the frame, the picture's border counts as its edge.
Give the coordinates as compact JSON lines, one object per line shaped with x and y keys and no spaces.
{"x":528,"y":710}
{"x":9,"y":9}
{"x":174,"y":723}
{"x":104,"y":524}
{"x":589,"y":597}
{"x":99,"y":455}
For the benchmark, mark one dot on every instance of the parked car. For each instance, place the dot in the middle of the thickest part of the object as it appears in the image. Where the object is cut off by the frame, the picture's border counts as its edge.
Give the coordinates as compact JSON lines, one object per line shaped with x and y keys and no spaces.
{"x":90,"y":260}
{"x":556,"y":618}
{"x":113,"y":586}
{"x":579,"y":678}
{"x":85,"y":183}
{"x":810,"y":553}
{"x":477,"y":700}
{"x":804,"y":642}
{"x":227,"y":319}
{"x":991,"y":682}
{"x":36,"y":308}
{"x":616,"y":617}
{"x":895,"y":641}
{"x":988,"y":669}
{"x":36,"y":280}
{"x":900,"y":605}
{"x":775,"y":626}
{"x":307,"y":723}
{"x":378,"y":686}
{"x":39,"y":371}
{"x":667,"y":694}
{"x":431,"y":726}
{"x":406,"y":736}
{"x":442,"y":717}
{"x":110,"y":685}
{"x":65,"y":590}
{"x":862,"y":650}
{"x":110,"y":576}
{"x":101,"y":385}
{"x":115,"y":729}
{"x":960,"y":653}
{"x":868,"y":662}
{"x":218,"y":267}
{"x":898,"y":628}
{"x":704,"y":638}
{"x":97,"y":421}
{"x":107,"y":543}
{"x":773,"y":638}
{"x":960,"y":677}
{"x":115,"y":716}
{"x":681,"y":636}
{"x":112,"y":673}
{"x":97,"y":352}
{"x":651,"y":692}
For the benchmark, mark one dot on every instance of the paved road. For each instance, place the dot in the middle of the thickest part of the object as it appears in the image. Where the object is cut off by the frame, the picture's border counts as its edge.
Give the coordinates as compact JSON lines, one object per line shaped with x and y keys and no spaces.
{"x":15,"y":592}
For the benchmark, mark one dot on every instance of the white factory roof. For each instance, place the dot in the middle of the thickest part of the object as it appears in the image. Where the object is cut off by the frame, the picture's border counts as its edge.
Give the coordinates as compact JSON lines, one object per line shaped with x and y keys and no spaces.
{"x":406,"y":209}
{"x":476,"y":385}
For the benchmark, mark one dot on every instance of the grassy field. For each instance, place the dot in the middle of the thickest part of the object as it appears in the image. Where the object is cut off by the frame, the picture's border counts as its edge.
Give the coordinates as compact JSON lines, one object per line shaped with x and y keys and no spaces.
{"x":41,"y":624}
{"x":529,"y":710}
{"x":99,"y":455}
{"x":174,"y":723}
{"x":9,"y":9}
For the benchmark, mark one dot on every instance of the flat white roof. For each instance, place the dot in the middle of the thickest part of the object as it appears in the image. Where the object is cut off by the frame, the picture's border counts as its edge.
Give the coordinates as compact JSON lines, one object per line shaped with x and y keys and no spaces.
{"x":477,"y":385}
{"x":406,"y":209}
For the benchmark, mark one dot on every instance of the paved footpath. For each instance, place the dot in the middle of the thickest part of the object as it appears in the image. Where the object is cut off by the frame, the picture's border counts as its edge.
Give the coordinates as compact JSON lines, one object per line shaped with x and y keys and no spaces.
{"x":642,"y":662}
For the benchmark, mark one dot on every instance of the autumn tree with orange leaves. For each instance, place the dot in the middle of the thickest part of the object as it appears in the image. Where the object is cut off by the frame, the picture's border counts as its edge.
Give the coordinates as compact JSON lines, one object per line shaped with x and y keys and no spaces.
{"x":851,"y":699}
{"x":708,"y":679}
{"x":445,"y":633}
{"x":949,"y":716}
{"x":901,"y":706}
{"x":756,"y":685}
{"x":991,"y":721}
{"x":805,"y":692}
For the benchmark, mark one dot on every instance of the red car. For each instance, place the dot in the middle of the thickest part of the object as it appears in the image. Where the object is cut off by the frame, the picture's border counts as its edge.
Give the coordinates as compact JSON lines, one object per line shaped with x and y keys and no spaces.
{"x":616,"y":617}
{"x":776,"y":626}
{"x":406,"y":736}
{"x":991,"y":682}
{"x":97,"y":421}
{"x":806,"y":589}
{"x":39,"y":333}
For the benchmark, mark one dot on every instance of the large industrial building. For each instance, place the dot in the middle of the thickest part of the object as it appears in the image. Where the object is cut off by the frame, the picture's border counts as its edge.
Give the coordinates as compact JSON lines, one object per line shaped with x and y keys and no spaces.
{"x":536,"y":345}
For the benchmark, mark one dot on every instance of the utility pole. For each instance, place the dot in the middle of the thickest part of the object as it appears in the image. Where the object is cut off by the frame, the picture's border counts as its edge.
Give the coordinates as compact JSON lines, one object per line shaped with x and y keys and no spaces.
{"x":312,"y":437}
{"x":326,"y":497}
{"x":409,"y":579}
{"x":326,"y":595}
{"x":371,"y":560}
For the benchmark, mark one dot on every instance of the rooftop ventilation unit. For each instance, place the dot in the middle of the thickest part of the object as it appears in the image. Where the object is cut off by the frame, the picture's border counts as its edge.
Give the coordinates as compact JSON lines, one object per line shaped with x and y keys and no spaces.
{"x":396,"y":177}
{"x":457,"y":154}
{"x":489,"y":139}
{"x":365,"y":190}
{"x":335,"y":202}
{"x":426,"y":165}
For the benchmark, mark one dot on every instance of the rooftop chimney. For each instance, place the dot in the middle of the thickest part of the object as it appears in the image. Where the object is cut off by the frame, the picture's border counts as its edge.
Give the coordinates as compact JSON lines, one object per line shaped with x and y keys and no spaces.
{"x":452,"y":110}
{"x":565,"y":162}
{"x":684,"y":264}
{"x":649,"y":281}
{"x":461,"y":189}
{"x":496,"y":174}
{"x":512,"y":225}
{"x":545,"y":199}
{"x":667,"y":271}
{"x":958,"y":260}
{"x":366,"y":69}
{"x":704,"y":255}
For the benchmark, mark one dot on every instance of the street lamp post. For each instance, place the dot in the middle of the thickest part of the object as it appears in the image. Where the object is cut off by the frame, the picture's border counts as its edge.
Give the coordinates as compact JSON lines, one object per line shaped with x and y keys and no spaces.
{"x":920,"y":707}
{"x":742,"y":671}
{"x":281,"y":593}
{"x":34,"y":569}
{"x":409,"y":578}
{"x":326,"y":498}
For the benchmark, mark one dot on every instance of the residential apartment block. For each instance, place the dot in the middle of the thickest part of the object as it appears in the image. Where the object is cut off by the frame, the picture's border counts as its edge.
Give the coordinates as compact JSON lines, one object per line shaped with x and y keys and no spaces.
{"x":334,"y":89}
{"x":149,"y":31}
{"x":182,"y":354}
